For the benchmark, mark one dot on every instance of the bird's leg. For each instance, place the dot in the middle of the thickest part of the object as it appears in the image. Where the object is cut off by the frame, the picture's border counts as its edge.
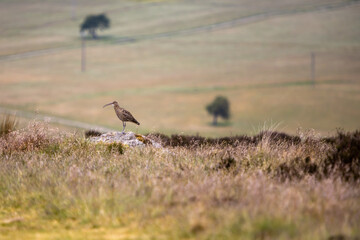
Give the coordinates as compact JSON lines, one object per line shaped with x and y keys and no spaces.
{"x":124,"y":125}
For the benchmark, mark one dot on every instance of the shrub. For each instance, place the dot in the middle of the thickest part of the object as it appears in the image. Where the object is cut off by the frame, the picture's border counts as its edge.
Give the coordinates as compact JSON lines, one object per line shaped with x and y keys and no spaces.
{"x":35,"y":136}
{"x":345,"y":159}
{"x":115,"y":147}
{"x":198,"y":141}
{"x":298,"y":168}
{"x":92,"y":133}
{"x":226,"y":163}
{"x":277,"y":137}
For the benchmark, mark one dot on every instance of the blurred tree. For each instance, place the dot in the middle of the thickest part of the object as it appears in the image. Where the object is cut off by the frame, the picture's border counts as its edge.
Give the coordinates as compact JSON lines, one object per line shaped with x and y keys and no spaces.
{"x":94,"y":22}
{"x":219,"y":107}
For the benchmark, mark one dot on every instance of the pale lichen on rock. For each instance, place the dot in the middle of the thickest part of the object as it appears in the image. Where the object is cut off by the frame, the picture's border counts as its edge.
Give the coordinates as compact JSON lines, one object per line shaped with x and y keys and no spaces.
{"x":127,"y":138}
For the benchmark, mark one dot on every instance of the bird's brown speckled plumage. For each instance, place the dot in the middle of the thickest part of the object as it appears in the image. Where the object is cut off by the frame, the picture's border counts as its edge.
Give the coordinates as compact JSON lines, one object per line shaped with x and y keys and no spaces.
{"x":123,"y":114}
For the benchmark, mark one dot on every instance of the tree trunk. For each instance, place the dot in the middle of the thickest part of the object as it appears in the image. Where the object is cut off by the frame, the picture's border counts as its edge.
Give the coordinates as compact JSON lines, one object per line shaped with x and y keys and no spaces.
{"x":215,"y":120}
{"x":93,"y":33}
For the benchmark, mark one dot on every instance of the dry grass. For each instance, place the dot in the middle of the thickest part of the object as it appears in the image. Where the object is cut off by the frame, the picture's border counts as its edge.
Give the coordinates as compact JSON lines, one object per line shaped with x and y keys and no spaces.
{"x":37,"y":135}
{"x":8,"y":124}
{"x":68,"y":187}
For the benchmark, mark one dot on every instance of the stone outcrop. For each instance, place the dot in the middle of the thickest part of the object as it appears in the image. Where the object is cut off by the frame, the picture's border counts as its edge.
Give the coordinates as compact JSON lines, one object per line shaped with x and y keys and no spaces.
{"x":127,"y":138}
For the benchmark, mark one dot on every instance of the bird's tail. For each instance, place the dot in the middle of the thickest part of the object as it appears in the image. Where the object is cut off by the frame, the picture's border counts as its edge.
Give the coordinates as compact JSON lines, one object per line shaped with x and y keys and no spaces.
{"x":136,"y":122}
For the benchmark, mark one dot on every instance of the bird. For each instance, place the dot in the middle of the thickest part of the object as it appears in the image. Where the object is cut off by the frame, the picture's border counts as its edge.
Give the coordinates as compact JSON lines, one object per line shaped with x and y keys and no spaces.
{"x":122,"y":114}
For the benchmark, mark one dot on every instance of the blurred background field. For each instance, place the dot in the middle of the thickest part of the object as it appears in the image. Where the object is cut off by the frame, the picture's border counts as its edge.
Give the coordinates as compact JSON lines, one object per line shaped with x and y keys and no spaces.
{"x":166,"y":60}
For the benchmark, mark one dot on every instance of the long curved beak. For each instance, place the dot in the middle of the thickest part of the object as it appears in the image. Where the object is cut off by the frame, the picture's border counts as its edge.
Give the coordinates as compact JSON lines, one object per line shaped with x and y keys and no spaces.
{"x":107,"y":104}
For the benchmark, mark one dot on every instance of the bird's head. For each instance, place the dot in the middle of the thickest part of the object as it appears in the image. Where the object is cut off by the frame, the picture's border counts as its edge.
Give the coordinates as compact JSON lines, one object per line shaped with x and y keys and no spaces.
{"x":112,"y":103}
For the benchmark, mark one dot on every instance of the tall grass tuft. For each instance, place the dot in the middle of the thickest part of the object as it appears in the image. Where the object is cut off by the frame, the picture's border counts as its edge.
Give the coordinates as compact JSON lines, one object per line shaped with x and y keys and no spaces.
{"x":8,"y":124}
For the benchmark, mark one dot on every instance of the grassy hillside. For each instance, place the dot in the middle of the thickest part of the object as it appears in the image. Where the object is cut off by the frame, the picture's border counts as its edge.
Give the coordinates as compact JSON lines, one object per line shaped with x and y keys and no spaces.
{"x":164,"y":61}
{"x":271,"y":186}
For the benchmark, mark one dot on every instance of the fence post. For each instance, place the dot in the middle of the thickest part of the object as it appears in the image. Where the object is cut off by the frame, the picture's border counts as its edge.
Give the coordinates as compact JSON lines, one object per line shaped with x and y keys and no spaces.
{"x":313,"y":62}
{"x":83,"y":53}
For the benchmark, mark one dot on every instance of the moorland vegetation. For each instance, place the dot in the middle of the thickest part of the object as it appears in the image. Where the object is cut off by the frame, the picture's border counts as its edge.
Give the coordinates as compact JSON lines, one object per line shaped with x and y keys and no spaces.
{"x":268,"y":186}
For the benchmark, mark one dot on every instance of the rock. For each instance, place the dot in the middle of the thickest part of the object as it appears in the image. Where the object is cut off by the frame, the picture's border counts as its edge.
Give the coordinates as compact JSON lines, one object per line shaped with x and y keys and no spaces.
{"x":127,"y":138}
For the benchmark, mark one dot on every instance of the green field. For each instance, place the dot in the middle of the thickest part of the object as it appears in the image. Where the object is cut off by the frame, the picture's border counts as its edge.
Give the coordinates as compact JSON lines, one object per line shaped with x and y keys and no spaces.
{"x":165,"y":60}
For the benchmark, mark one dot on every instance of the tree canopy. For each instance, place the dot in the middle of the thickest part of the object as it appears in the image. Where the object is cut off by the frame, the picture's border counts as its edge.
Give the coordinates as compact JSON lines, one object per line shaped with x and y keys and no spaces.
{"x":94,"y":22}
{"x":220,"y":107}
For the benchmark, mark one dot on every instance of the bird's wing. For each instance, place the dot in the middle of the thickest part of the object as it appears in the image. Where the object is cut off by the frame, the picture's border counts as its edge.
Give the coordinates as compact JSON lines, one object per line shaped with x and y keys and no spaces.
{"x":128,"y":116}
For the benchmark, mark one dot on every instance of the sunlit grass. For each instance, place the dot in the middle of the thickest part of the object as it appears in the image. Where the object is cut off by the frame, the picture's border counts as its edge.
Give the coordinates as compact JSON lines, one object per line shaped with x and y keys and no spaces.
{"x":63,"y":186}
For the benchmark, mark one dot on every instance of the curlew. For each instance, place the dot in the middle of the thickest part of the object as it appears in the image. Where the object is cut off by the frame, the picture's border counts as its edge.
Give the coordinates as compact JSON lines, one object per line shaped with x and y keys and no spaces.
{"x":123,"y":115}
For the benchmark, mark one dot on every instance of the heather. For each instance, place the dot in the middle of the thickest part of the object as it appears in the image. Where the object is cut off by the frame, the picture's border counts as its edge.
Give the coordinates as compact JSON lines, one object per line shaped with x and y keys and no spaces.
{"x":268,"y":186}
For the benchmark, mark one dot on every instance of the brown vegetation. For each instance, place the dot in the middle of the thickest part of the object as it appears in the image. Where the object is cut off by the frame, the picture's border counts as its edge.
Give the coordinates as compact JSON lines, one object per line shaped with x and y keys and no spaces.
{"x":36,"y":136}
{"x":269,"y":186}
{"x":8,"y":124}
{"x":320,"y":157}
